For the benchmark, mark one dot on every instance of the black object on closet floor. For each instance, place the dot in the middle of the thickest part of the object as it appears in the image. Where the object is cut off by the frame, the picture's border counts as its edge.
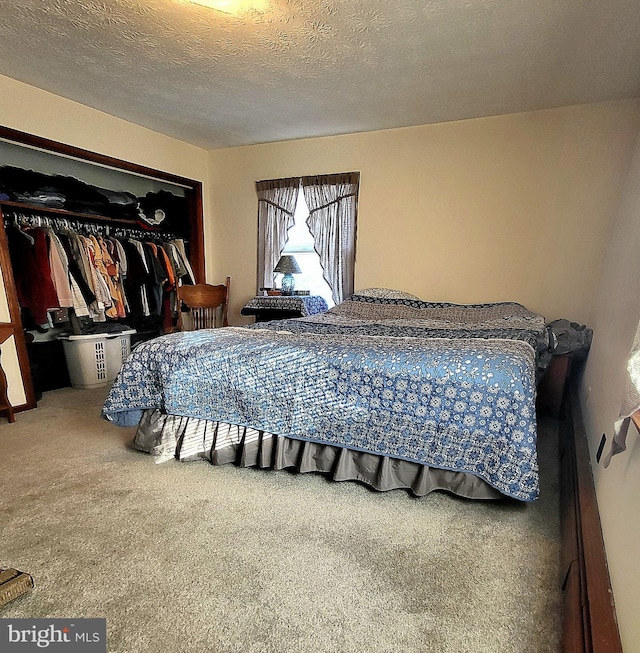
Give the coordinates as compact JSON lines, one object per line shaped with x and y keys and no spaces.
{"x":48,"y":366}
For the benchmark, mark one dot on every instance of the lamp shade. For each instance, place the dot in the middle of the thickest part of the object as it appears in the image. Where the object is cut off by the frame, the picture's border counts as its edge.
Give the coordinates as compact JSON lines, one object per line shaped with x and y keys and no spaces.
{"x":287,"y":265}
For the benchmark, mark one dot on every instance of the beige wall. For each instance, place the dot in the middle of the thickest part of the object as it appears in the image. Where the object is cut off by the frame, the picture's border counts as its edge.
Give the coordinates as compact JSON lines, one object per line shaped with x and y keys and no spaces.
{"x":512,"y":207}
{"x":34,"y":111}
{"x":616,"y":311}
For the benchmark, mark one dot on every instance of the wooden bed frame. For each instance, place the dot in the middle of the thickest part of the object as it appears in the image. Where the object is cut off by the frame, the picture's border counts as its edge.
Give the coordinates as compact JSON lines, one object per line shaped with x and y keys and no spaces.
{"x":589,"y":617}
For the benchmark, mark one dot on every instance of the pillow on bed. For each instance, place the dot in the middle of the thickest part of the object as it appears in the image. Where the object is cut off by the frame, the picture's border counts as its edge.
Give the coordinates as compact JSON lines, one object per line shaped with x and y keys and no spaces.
{"x":386,"y":293}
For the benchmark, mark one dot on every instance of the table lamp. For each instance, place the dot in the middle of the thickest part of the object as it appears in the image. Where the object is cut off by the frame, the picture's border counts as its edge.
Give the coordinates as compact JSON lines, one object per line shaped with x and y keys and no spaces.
{"x":288,"y":266}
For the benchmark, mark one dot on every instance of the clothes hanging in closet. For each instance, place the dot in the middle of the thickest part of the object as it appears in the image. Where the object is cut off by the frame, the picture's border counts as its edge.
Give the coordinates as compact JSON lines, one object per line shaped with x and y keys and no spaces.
{"x":99,"y":275}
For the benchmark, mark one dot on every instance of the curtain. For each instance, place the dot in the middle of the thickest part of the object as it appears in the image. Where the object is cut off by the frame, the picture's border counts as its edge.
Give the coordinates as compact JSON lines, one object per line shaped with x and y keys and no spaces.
{"x":630,"y":402}
{"x":333,"y":203}
{"x":276,"y":207}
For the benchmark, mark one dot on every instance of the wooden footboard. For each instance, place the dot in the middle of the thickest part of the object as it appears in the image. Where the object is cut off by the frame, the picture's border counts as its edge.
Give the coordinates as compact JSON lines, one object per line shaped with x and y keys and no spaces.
{"x":589,"y":618}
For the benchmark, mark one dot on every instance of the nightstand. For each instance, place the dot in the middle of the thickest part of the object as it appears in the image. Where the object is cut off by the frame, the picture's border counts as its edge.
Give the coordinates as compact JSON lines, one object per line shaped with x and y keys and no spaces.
{"x":552,"y":385}
{"x":284,"y":307}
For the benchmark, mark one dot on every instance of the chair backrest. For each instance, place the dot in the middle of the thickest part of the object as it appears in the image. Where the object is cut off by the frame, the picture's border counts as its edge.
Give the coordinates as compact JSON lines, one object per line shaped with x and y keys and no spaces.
{"x":204,"y":302}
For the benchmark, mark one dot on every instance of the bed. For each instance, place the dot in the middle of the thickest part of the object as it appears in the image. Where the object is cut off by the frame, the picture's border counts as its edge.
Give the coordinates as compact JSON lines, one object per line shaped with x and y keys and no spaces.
{"x":383,"y":388}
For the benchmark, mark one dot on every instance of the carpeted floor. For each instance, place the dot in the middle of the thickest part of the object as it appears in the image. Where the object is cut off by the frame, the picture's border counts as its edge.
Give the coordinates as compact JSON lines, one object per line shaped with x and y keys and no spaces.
{"x":190,"y":557}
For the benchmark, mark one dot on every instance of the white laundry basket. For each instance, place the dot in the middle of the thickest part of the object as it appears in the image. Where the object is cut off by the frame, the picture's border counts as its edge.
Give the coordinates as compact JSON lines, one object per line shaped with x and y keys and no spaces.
{"x":118,"y":350}
{"x":95,"y":360}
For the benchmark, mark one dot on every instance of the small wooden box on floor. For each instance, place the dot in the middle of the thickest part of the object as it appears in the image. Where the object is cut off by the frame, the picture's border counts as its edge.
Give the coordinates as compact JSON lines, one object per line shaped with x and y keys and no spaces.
{"x":13,"y":583}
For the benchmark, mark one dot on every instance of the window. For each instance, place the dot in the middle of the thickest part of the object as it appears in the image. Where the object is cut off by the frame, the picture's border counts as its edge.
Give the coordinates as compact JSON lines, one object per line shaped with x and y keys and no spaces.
{"x":331,"y":210}
{"x":300,"y":245}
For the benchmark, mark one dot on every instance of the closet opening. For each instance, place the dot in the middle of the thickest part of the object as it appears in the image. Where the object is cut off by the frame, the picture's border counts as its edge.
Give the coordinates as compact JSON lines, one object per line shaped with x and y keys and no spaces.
{"x":122,"y":235}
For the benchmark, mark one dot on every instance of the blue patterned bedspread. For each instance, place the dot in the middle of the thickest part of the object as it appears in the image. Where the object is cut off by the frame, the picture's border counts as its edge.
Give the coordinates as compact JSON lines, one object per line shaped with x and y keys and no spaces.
{"x":406,"y":380}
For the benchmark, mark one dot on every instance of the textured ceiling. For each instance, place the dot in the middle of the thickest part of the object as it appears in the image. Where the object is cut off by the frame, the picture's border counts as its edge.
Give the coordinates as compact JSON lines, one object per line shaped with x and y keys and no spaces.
{"x":300,"y":68}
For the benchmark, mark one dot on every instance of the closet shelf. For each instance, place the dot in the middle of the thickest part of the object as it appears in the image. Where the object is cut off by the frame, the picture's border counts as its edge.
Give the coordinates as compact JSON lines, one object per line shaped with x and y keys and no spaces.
{"x":64,"y":213}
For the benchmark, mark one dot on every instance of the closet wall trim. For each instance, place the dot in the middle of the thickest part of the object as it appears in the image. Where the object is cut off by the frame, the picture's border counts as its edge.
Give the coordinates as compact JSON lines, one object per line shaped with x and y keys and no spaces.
{"x":38,"y":142}
{"x":15,"y":322}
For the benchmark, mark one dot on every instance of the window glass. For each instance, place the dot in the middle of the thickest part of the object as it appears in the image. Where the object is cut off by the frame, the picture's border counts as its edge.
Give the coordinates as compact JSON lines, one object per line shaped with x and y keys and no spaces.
{"x":300,"y":245}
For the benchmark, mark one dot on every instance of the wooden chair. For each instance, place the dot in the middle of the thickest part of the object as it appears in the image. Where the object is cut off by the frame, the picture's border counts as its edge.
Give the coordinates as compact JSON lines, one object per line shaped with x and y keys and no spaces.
{"x":205,"y":302}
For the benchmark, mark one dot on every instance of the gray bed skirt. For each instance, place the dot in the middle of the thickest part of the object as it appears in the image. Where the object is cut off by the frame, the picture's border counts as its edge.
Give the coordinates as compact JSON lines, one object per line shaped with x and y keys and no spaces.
{"x":188,"y":439}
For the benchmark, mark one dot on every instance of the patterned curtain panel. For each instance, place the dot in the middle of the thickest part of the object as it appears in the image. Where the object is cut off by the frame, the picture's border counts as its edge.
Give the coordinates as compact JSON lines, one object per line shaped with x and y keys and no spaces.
{"x":333,"y":204}
{"x":276,"y":207}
